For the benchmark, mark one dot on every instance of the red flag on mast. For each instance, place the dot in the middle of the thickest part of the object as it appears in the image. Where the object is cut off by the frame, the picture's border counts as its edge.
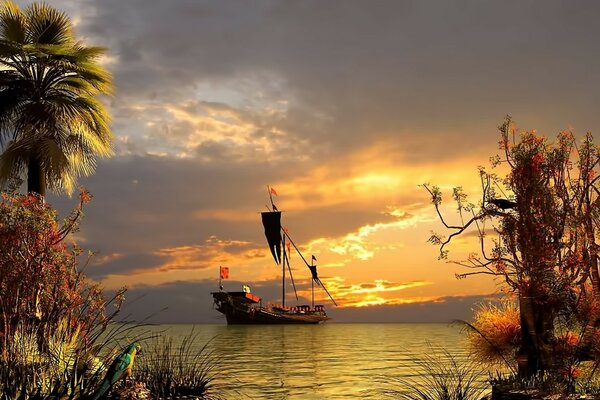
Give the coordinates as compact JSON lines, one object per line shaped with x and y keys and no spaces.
{"x":273,"y":191}
{"x":224,"y":272}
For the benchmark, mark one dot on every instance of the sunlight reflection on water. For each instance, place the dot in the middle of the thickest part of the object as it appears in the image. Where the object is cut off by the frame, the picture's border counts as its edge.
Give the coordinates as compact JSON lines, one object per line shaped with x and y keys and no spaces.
{"x":329,"y":361}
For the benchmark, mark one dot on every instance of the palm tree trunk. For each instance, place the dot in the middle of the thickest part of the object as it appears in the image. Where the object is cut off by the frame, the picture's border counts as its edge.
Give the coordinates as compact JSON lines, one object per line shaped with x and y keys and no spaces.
{"x":36,"y":181}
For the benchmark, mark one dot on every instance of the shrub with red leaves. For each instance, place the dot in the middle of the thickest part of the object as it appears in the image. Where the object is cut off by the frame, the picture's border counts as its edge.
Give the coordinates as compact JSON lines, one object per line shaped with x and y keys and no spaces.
{"x":40,"y":282}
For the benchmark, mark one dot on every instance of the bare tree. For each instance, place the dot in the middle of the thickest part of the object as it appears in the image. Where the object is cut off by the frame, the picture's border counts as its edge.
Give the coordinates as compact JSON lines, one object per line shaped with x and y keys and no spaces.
{"x":545,"y":218}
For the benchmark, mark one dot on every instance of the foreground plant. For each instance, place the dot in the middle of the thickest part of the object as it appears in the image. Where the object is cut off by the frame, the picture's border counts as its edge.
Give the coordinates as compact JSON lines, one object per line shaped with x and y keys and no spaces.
{"x":494,"y":334}
{"x":51,"y":316}
{"x":442,"y":376}
{"x":184,"y":369}
{"x":549,"y":385}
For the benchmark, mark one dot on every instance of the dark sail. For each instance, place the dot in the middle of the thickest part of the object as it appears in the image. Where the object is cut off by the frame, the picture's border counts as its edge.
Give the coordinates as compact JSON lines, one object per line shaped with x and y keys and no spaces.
{"x":272,"y":222}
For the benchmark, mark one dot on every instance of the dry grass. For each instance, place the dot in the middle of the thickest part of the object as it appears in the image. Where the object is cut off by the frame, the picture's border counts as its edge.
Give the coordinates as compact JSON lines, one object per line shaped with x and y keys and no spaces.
{"x":56,"y":368}
{"x":495,"y":333}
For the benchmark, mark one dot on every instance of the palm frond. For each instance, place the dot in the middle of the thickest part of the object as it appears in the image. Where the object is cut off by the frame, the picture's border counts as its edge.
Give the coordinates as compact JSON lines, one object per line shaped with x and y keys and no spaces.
{"x":47,"y":25}
{"x":48,"y":84}
{"x":9,"y":48}
{"x":11,"y":105}
{"x":55,"y":164}
{"x":96,"y":74}
{"x":13,"y":161}
{"x":81,"y":53}
{"x":12,"y":23}
{"x":76,"y":85}
{"x":82,"y":164}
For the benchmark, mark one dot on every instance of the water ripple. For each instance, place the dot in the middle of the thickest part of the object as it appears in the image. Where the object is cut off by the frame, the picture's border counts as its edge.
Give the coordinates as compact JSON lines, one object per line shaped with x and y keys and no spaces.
{"x":330,"y":361}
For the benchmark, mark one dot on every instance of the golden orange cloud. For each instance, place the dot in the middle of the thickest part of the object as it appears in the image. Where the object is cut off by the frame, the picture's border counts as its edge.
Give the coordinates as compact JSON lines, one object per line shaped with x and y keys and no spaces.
{"x":374,"y":176}
{"x":103,"y":259}
{"x":225,"y":214}
{"x":199,"y":261}
{"x":213,"y":251}
{"x":377,"y":292}
{"x":373,"y":300}
{"x":368,"y":240}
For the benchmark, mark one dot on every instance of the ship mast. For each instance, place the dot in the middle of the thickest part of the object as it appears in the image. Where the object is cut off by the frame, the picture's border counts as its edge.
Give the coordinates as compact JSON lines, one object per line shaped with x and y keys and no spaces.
{"x":276,"y":237}
{"x":311,"y":266}
{"x":274,"y":208}
{"x":283,"y":275}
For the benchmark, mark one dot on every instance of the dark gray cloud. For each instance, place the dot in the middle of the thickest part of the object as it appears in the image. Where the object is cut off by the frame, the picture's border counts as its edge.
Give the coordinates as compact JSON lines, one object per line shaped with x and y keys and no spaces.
{"x":353,"y":73}
{"x":152,"y":200}
{"x":123,"y":264}
{"x":397,"y":69}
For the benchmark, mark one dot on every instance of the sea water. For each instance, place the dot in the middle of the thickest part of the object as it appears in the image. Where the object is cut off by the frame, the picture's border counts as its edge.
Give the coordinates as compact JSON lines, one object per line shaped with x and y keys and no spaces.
{"x":328,"y":361}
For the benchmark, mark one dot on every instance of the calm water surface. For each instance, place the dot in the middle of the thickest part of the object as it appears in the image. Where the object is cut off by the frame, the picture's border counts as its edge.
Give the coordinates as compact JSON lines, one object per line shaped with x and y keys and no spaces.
{"x":329,"y":361}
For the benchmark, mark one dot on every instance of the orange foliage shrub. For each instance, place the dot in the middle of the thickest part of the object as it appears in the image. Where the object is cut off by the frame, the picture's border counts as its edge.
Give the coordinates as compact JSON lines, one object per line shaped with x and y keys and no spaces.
{"x":496,"y":334}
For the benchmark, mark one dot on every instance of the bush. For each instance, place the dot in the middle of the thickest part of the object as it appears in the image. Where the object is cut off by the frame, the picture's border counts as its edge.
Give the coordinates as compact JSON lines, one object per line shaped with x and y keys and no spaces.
{"x":495,"y":334}
{"x":50,"y":315}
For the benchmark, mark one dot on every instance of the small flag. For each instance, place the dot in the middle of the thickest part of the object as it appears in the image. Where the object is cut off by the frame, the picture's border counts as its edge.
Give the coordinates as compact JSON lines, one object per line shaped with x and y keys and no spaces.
{"x":224,"y":272}
{"x":314,"y":258}
{"x":273,"y":191}
{"x":246,"y":289}
{"x":313,"y":272}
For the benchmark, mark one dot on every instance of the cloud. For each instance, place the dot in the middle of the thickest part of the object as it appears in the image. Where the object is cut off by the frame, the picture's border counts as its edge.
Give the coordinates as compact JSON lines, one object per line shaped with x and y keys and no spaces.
{"x":357,"y":244}
{"x":378,"y":292}
{"x":213,"y":252}
{"x":446,"y":309}
{"x":208,"y":131}
{"x":99,"y":260}
{"x":420,"y":75}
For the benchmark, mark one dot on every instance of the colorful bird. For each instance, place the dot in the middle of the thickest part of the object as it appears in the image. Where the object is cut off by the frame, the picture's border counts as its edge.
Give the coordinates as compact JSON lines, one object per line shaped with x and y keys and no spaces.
{"x":120,"y":368}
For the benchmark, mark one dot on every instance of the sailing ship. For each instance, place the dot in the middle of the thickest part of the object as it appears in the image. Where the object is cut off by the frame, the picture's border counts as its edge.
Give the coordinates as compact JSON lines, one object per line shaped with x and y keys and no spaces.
{"x":245,"y":307}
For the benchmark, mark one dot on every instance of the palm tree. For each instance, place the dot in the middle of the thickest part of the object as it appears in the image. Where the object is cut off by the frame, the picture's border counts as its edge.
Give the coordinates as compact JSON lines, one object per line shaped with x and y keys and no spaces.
{"x":52,"y":126}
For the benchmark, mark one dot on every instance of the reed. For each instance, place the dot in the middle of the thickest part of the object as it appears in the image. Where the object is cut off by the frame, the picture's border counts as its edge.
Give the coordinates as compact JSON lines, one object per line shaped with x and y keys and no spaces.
{"x":441,"y":376}
{"x":186,"y":369}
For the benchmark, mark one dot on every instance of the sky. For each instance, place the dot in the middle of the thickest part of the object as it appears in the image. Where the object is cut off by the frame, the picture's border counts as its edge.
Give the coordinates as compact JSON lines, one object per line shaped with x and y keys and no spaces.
{"x":345,"y":108}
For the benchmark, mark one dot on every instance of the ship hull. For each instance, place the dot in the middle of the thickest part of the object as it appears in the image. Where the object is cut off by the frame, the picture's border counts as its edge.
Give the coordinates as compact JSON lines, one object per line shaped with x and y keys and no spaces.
{"x":238,"y":310}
